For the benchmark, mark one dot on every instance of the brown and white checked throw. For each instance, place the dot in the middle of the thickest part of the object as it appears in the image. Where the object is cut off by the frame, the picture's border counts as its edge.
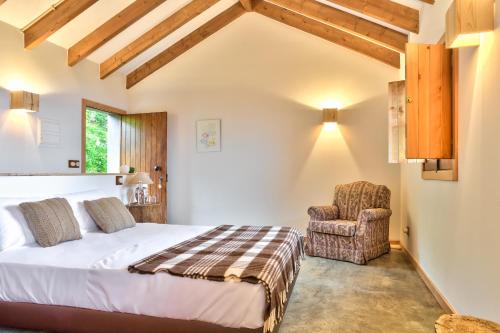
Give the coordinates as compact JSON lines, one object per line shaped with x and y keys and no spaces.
{"x":266,"y":255}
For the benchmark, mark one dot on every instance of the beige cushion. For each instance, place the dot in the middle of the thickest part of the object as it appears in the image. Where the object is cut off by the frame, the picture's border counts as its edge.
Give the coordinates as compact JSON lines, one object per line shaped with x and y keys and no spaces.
{"x":51,"y":221}
{"x":110,"y":214}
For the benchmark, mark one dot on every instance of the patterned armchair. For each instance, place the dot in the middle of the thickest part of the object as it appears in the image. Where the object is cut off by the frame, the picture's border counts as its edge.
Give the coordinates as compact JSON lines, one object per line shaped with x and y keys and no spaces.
{"x":355,"y":228}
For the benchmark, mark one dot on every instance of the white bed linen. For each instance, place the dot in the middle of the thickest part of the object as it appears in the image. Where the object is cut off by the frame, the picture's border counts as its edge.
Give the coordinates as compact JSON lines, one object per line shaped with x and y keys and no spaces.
{"x":92,"y":273}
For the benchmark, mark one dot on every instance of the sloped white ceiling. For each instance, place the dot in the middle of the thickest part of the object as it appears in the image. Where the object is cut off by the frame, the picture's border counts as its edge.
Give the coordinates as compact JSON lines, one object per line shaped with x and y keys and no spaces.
{"x":19,"y":13}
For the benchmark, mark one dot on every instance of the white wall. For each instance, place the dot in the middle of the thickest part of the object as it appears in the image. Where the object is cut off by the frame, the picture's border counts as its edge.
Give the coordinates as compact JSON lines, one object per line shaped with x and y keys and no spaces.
{"x":49,"y":186}
{"x":455,"y":226}
{"x":61,"y":88}
{"x":268,"y":83}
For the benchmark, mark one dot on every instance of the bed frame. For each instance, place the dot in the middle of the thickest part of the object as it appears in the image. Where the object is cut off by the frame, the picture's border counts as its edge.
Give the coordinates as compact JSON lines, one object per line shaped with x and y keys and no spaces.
{"x":56,"y":318}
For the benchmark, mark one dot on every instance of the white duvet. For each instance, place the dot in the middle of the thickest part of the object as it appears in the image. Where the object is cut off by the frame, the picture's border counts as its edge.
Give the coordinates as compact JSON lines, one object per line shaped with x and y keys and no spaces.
{"x":92,"y":273}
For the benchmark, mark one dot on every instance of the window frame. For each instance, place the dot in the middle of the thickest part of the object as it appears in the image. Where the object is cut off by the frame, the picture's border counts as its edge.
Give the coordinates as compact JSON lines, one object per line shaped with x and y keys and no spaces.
{"x":86,"y":103}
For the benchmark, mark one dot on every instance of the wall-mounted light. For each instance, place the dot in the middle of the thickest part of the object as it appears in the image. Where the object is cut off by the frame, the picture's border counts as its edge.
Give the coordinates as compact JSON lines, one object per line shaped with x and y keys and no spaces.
{"x":330,"y":115}
{"x":466,"y":20}
{"x":23,"y":100}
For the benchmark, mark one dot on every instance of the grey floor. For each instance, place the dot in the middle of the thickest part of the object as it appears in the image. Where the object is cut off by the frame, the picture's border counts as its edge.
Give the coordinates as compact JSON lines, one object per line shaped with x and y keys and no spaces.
{"x":384,"y":296}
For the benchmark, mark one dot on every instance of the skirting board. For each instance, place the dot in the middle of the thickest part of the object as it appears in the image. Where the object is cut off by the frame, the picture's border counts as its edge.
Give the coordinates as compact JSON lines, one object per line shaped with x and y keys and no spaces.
{"x":395,"y":244}
{"x":443,"y":302}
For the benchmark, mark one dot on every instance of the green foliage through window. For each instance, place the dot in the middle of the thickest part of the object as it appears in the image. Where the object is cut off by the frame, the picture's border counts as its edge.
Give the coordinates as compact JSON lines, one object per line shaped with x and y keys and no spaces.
{"x":96,"y":145}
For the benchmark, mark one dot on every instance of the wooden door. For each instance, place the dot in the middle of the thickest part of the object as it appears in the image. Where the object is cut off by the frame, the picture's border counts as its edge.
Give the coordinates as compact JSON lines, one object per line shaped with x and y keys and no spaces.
{"x":428,"y":97}
{"x":144,"y":147}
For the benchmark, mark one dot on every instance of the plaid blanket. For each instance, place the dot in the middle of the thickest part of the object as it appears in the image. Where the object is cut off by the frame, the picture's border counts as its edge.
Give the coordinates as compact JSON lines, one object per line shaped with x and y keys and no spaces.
{"x":266,"y":255}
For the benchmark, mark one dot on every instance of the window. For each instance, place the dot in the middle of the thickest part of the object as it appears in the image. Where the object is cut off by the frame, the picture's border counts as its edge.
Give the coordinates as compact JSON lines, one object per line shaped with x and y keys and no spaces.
{"x":101,"y":129}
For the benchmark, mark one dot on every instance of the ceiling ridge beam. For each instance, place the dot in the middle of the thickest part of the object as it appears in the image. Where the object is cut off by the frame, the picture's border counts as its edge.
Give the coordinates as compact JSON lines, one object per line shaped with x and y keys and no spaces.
{"x":186,"y":43}
{"x":153,"y":36}
{"x":53,"y":20}
{"x":247,"y":4}
{"x":348,"y":22}
{"x":110,"y":29}
{"x":328,"y":32}
{"x":399,"y":15}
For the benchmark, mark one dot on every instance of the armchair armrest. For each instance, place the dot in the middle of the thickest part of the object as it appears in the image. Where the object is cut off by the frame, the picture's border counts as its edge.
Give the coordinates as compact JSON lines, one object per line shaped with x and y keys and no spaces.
{"x":323,"y":213}
{"x":374,"y":214}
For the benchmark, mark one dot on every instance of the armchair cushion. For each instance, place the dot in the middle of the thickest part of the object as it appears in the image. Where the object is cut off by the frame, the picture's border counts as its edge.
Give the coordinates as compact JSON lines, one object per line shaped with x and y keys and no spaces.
{"x":323,"y":213}
{"x":337,"y":227}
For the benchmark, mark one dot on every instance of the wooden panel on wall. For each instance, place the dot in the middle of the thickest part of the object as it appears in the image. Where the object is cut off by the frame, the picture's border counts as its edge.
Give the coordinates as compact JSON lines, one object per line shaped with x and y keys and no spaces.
{"x":397,"y":121}
{"x":144,"y":146}
{"x":412,"y":99}
{"x":447,"y":169}
{"x":428,"y":84}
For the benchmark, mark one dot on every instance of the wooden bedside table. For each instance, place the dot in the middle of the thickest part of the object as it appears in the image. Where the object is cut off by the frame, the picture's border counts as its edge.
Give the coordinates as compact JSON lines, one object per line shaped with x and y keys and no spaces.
{"x":146,"y":213}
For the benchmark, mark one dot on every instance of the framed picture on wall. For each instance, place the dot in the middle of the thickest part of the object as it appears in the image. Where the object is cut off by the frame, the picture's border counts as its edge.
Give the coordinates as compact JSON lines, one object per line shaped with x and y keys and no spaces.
{"x":208,"y":135}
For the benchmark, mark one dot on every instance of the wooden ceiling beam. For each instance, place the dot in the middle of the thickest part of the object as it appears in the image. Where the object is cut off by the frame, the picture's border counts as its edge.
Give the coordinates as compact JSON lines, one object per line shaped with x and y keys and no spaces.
{"x":110,"y":29}
{"x":385,"y":10}
{"x":2,"y":1}
{"x":186,"y":43}
{"x":153,"y":36}
{"x":329,"y":33}
{"x":52,"y":20}
{"x":346,"y":21}
{"x":431,"y":2}
{"x":247,"y":4}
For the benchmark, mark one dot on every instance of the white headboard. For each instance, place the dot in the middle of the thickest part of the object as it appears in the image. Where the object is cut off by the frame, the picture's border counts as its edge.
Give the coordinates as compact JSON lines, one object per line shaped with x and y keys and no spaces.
{"x":30,"y":186}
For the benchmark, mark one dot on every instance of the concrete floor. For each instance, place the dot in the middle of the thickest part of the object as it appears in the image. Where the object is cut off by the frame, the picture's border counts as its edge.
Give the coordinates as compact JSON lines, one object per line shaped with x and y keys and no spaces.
{"x":384,"y":296}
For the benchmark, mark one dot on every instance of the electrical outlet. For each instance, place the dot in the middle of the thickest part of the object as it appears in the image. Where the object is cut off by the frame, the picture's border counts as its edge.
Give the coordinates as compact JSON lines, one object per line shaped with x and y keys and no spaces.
{"x":406,"y":230}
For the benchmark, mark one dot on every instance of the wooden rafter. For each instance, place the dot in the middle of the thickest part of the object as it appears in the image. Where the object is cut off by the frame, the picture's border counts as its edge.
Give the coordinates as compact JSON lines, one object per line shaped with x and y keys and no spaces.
{"x":247,"y":4}
{"x":185,"y":44}
{"x":53,"y":20}
{"x":428,"y":1}
{"x":329,"y":33}
{"x":388,"y":11}
{"x":346,"y":21}
{"x":160,"y":31}
{"x":2,"y":1}
{"x":110,"y":29}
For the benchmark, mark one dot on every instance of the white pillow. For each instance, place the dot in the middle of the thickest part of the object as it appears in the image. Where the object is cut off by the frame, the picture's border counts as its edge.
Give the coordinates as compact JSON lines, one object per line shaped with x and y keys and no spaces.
{"x":75,"y":200}
{"x":14,"y":230}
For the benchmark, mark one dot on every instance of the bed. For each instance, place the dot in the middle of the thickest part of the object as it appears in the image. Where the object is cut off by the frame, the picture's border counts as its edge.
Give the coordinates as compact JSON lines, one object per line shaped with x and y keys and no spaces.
{"x":105,"y":297}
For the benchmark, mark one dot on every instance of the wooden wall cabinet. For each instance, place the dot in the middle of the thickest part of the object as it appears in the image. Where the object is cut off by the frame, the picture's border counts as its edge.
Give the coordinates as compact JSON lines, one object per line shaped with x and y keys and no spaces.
{"x":428,"y":102}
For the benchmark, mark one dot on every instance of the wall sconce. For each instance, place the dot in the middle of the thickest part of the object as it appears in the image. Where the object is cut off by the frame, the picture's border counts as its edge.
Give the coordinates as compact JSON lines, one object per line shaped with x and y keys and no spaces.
{"x":329,"y":115}
{"x":23,"y":100}
{"x":466,"y":20}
